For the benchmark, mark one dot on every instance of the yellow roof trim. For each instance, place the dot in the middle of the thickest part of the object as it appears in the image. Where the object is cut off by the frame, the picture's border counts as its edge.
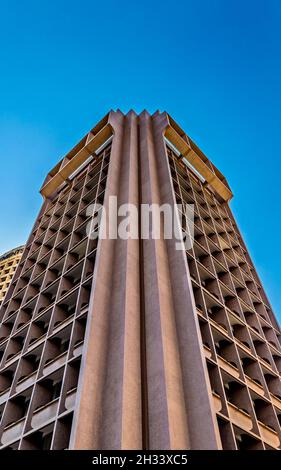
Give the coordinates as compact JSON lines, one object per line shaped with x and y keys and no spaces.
{"x":68,"y":166}
{"x":182,"y":142}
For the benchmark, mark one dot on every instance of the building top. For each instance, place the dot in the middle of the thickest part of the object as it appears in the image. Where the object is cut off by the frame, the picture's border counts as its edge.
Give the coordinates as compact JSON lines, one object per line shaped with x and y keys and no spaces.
{"x":12,"y":252}
{"x":188,"y":151}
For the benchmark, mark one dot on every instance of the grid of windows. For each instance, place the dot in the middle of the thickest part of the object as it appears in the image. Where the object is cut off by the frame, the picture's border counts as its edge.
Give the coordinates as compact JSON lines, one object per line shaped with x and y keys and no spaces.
{"x":44,"y":315}
{"x":240,"y":336}
{"x":8,"y":266}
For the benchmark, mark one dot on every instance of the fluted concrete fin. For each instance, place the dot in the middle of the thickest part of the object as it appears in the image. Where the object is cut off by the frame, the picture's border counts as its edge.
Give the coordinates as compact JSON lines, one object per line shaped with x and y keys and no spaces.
{"x":158,"y":419}
{"x":144,"y":114}
{"x":131,"y":112}
{"x":162,"y":121}
{"x":115,"y":357}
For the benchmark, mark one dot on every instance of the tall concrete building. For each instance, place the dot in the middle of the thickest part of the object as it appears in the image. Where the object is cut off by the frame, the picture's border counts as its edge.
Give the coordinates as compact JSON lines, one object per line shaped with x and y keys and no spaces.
{"x":134,"y":344}
{"x":8,"y":265}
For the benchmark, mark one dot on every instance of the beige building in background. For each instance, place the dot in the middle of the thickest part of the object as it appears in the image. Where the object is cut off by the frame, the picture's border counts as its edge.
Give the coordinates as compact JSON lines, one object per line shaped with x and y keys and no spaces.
{"x":132,"y":344}
{"x":8,"y":264}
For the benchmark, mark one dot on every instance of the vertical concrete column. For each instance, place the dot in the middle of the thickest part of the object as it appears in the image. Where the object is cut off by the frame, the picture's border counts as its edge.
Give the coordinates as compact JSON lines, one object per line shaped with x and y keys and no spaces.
{"x":167,"y":420}
{"x":201,"y":421}
{"x":122,"y":394}
{"x":108,"y":412}
{"x":132,"y":388}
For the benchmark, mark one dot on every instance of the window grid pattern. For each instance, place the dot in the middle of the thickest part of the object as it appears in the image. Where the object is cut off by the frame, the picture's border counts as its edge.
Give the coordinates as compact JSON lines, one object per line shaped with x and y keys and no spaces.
{"x":240,"y":335}
{"x":8,"y":266}
{"x":44,"y":316}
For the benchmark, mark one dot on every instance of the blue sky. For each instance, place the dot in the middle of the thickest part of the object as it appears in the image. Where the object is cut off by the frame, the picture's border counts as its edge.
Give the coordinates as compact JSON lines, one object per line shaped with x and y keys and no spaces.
{"x":214,"y":65}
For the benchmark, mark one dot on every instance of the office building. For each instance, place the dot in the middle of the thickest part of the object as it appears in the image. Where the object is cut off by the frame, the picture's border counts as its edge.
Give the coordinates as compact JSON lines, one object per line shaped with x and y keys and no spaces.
{"x":134,"y":344}
{"x":8,"y":265}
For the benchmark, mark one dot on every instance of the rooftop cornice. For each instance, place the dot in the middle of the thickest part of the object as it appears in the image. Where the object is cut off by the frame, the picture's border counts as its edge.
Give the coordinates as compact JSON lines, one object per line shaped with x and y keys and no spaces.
{"x":77,"y":156}
{"x":97,"y":136}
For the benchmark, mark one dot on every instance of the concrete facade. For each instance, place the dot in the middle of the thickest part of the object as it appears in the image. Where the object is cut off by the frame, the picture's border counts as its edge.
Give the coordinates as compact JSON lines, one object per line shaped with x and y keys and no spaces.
{"x":133,"y":344}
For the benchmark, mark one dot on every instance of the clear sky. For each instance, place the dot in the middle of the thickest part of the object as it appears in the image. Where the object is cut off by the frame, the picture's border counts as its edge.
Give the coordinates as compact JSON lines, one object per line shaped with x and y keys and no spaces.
{"x":214,"y":65}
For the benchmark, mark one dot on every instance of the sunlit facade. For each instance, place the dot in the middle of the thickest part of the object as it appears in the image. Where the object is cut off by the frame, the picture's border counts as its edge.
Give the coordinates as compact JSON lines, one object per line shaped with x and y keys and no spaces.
{"x":133,"y":344}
